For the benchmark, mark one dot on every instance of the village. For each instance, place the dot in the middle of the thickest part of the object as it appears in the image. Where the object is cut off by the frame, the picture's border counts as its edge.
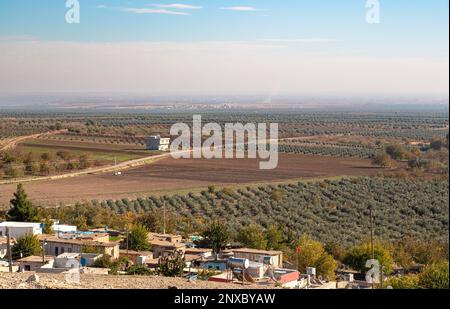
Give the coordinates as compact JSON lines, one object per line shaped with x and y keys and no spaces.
{"x":71,"y":251}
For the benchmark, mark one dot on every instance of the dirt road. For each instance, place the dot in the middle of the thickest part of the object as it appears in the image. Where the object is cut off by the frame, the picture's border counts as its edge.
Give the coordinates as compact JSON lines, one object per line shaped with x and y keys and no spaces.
{"x":15,"y":141}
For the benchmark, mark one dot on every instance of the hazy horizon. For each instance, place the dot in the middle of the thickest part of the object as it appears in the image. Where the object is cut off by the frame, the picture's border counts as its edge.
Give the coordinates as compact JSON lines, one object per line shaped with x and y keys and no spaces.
{"x":198,"y":46}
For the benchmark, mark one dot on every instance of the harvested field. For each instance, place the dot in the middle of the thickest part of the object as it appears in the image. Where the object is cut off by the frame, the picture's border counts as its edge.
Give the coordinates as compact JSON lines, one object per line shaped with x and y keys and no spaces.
{"x":172,"y":175}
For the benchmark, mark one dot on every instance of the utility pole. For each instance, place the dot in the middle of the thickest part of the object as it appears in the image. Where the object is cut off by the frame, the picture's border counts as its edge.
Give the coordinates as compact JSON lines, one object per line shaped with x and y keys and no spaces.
{"x":164,"y":218}
{"x":128,"y":239}
{"x":371,"y":240}
{"x":8,"y":249}
{"x":43,"y":251}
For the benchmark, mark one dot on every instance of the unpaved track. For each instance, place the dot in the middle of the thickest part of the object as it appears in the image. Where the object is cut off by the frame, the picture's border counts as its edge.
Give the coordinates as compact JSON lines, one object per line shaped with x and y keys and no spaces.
{"x":15,"y":141}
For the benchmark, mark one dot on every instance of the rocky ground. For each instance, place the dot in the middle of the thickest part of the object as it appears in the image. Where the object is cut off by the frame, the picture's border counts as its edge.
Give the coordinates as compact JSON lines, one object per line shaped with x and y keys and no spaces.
{"x":53,"y":281}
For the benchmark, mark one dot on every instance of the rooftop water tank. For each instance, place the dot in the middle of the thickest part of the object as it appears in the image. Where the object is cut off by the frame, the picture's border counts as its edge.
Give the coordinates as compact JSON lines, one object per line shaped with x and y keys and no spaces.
{"x":238,"y":263}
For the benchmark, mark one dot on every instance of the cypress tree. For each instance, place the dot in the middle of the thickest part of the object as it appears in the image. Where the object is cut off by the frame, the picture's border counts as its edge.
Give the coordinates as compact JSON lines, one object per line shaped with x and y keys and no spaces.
{"x":22,"y":210}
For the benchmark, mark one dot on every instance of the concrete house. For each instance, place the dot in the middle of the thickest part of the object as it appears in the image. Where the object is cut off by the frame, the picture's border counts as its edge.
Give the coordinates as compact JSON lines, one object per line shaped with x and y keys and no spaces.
{"x":260,"y":256}
{"x":158,"y":143}
{"x":164,"y":248}
{"x":34,"y":263}
{"x":56,"y":246}
{"x":19,"y":229}
{"x":64,"y":228}
{"x":4,"y":246}
{"x":176,"y":239}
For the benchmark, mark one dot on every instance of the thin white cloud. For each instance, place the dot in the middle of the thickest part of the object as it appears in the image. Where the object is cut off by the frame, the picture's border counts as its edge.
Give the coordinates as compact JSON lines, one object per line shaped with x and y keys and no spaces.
{"x":152,"y":11}
{"x":241,"y":8}
{"x":160,"y":10}
{"x":299,"y":40}
{"x":177,"y":6}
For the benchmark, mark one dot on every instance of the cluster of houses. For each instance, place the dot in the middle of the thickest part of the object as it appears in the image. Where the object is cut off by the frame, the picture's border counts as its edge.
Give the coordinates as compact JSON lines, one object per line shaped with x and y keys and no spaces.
{"x":67,"y":244}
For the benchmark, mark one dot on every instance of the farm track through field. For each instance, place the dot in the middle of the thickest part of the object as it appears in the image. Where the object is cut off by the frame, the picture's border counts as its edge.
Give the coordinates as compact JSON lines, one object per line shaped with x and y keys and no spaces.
{"x":15,"y":141}
{"x":91,"y":171}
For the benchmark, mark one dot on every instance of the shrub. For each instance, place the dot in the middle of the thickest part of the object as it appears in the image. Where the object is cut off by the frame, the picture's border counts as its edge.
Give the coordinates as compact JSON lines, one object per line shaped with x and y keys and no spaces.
{"x":138,"y":238}
{"x":435,"y":276}
{"x":27,"y":245}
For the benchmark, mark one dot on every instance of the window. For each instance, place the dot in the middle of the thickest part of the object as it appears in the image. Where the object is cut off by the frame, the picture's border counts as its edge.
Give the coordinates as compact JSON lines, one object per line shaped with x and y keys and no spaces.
{"x":69,"y":250}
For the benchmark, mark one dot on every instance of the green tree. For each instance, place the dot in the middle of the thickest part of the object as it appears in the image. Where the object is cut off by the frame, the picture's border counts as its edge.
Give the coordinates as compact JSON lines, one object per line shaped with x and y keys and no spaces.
{"x":216,"y":236}
{"x":84,"y":161}
{"x":358,"y":256}
{"x":47,"y":229}
{"x":253,"y":236}
{"x":335,"y":249}
{"x":311,"y":253}
{"x":138,"y":238}
{"x":154,"y":221}
{"x":396,"y":151}
{"x":274,"y":236}
{"x":25,"y":246}
{"x":171,"y":265}
{"x":22,"y":209}
{"x":409,"y":282}
{"x":276,"y":195}
{"x":436,"y":144}
{"x":382,"y":159}
{"x":435,"y":276}
{"x":106,"y":261}
{"x":139,"y":270}
{"x":423,"y":252}
{"x":15,"y":170}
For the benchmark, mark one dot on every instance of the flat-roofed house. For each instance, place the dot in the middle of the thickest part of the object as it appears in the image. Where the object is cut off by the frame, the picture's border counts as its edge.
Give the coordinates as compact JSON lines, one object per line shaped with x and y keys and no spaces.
{"x":137,"y":257}
{"x":20,"y":229}
{"x":56,"y":246}
{"x":64,"y":228}
{"x":33,"y":263}
{"x":200,"y":252}
{"x":164,"y":248}
{"x":260,"y":256}
{"x":158,"y":143}
{"x":165,"y":237}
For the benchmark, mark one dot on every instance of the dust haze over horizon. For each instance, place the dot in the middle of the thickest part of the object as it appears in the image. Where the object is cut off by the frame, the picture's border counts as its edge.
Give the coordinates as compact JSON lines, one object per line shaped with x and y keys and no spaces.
{"x":274,"y":52}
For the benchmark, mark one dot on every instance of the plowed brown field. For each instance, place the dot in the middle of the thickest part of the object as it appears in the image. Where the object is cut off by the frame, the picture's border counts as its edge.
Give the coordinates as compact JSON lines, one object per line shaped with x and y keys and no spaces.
{"x":173,"y":175}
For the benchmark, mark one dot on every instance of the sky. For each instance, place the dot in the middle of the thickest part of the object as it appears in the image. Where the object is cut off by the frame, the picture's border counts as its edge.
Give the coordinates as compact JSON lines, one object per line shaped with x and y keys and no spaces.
{"x":225,"y":46}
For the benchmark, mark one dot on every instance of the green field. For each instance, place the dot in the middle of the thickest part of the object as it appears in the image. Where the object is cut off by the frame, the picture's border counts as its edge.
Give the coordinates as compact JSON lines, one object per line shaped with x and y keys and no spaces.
{"x":96,"y":152}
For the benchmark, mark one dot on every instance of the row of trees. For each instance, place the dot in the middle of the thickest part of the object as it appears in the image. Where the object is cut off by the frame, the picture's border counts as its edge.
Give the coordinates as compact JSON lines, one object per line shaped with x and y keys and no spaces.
{"x":431,"y":159}
{"x":331,"y":210}
{"x":16,"y":164}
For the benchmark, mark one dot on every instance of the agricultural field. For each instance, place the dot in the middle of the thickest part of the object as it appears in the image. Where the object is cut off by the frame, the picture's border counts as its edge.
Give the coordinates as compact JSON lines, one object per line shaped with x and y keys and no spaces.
{"x":329,"y":210}
{"x":170,"y":175}
{"x":333,"y":168}
{"x":312,"y":145}
{"x":38,"y":157}
{"x":106,"y":153}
